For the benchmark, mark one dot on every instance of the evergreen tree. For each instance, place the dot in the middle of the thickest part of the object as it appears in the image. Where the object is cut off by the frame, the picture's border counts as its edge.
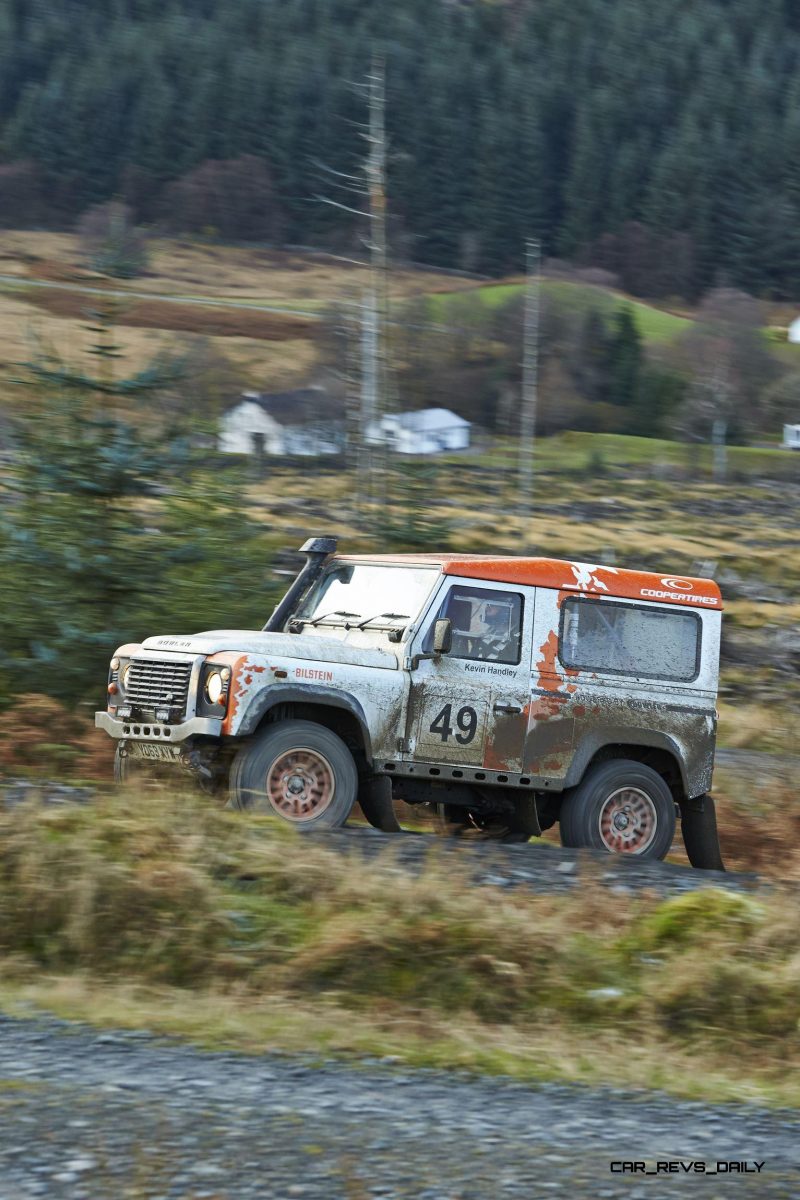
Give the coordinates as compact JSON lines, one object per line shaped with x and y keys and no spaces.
{"x":109,"y":532}
{"x":625,"y":359}
{"x":570,"y":120}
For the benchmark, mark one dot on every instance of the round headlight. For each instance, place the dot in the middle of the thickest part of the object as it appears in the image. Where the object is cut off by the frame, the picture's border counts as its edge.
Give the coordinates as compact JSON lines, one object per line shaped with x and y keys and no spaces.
{"x":115,"y":663}
{"x":123,"y":675}
{"x":214,"y":687}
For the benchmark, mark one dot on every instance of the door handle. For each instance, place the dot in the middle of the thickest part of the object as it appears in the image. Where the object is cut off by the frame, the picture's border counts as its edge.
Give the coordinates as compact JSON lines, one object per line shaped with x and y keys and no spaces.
{"x":507,"y":706}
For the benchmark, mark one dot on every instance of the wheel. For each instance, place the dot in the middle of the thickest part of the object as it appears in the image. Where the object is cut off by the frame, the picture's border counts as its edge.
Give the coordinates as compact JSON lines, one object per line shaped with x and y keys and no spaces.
{"x":621,"y":806}
{"x":298,"y":770}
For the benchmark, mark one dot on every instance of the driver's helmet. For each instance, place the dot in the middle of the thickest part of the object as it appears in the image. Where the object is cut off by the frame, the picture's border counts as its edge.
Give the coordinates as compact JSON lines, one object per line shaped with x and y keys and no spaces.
{"x":495,"y":621}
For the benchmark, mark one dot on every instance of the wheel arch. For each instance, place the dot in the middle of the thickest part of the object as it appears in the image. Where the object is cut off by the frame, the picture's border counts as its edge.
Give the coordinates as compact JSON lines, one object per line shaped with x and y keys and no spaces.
{"x":338,"y":711}
{"x":656,"y":750}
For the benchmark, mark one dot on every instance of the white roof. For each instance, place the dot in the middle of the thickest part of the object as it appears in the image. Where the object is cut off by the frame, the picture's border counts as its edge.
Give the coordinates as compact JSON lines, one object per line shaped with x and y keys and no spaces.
{"x":427,"y":420}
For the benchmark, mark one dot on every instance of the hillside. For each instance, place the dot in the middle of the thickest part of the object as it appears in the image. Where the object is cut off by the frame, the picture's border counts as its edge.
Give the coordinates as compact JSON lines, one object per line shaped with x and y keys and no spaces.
{"x":661,"y":142}
{"x":249,"y":305}
{"x":255,"y":306}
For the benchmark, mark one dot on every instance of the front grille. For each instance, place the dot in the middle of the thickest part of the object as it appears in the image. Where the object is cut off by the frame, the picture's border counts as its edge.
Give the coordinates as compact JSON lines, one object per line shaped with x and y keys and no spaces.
{"x":152,"y":684}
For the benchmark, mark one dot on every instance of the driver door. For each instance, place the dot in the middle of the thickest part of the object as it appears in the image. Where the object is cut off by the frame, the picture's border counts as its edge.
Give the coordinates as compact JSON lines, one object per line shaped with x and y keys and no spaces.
{"x":453,"y":697}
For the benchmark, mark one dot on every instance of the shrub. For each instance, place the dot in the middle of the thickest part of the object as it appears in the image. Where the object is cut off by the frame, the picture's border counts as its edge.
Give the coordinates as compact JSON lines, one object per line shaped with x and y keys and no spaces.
{"x":110,"y":241}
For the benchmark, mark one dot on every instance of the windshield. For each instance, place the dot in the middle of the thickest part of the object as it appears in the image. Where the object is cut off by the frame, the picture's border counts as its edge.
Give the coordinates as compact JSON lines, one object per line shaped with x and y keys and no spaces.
{"x":366,"y":593}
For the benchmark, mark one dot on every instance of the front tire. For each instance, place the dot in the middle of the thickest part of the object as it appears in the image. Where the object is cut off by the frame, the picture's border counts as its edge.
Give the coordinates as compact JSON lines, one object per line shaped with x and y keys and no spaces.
{"x":621,"y":806}
{"x":298,"y":771}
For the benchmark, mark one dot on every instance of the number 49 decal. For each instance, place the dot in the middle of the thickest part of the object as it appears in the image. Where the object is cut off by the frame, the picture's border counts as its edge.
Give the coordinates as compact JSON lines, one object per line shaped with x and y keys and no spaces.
{"x":466,"y":721}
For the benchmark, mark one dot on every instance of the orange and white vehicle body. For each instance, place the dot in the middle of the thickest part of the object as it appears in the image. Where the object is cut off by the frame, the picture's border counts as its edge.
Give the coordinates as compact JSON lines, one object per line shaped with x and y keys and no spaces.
{"x":538,"y":674}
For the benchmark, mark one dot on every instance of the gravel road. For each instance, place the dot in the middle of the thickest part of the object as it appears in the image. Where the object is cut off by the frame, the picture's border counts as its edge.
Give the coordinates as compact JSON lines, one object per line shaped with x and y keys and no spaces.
{"x":539,"y":866}
{"x":87,"y":1115}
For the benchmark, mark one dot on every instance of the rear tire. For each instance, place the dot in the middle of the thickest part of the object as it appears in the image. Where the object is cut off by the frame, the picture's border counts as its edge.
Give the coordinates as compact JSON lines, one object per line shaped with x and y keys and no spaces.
{"x":298,"y":771}
{"x":621,"y":806}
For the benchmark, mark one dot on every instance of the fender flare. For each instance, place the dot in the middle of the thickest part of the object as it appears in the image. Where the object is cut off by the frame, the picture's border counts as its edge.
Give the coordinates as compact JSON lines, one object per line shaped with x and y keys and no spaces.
{"x":591,"y":743}
{"x":280,"y":693}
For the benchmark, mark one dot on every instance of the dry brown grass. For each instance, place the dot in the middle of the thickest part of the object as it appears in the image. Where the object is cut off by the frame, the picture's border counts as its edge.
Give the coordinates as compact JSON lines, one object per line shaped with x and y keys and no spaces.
{"x":23,"y":327}
{"x":178,"y":267}
{"x":180,"y":318}
{"x":41,"y":736}
{"x":759,"y":820}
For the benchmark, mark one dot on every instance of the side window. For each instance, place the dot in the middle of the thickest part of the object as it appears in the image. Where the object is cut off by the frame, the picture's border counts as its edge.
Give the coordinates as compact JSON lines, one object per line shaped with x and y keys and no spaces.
{"x":487,"y":625}
{"x":626,"y":639}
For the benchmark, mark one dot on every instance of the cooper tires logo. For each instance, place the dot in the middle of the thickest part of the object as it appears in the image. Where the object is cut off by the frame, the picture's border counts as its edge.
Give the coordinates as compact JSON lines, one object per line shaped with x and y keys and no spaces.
{"x":678,"y":585}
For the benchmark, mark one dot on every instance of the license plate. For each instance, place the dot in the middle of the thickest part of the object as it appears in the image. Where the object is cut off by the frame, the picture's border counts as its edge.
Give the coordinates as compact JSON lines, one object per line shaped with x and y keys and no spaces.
{"x":154,"y":750}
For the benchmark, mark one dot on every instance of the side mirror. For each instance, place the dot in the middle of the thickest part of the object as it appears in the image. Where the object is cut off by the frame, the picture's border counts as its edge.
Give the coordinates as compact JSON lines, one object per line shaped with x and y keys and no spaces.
{"x":443,"y":636}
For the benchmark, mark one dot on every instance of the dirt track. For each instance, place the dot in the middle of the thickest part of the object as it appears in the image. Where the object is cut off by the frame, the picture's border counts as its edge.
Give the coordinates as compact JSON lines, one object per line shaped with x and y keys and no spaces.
{"x":88,"y":1116}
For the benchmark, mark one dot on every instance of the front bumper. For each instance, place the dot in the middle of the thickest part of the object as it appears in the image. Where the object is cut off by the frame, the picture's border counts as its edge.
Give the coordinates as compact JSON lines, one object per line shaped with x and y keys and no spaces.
{"x":156,"y":731}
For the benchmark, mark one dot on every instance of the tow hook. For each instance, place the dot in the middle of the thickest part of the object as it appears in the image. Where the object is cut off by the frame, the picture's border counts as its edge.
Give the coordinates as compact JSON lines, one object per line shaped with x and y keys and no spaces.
{"x":194,"y":760}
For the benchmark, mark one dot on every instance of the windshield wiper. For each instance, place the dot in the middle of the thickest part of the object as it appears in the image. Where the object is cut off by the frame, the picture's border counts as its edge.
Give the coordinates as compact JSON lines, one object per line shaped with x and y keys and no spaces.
{"x":340,"y":612}
{"x":383,"y":617}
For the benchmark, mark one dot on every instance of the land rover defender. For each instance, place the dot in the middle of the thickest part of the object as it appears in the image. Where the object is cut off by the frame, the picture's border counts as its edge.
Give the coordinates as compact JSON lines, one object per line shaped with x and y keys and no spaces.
{"x":506,"y":693}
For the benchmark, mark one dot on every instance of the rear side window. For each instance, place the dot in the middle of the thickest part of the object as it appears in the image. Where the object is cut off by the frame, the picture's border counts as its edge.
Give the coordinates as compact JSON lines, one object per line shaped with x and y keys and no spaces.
{"x":626,"y":639}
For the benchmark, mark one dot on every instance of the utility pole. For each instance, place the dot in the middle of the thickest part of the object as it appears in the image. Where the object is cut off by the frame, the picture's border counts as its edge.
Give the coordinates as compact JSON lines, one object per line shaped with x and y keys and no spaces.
{"x":367,"y":449}
{"x":376,"y":304}
{"x":530,"y":377}
{"x":368,"y":397}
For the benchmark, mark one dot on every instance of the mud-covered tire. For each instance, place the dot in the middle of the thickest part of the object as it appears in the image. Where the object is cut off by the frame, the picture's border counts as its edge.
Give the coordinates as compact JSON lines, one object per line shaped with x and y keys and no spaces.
{"x":621,"y":806}
{"x":296,"y":770}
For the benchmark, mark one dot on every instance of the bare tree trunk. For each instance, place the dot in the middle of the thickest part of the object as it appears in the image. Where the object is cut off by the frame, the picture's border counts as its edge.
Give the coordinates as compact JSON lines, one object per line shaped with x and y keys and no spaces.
{"x":530,"y":380}
{"x":719,"y":432}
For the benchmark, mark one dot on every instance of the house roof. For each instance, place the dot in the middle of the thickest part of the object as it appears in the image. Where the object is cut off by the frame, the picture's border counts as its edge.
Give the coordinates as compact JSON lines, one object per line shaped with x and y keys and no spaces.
{"x":570,"y":578}
{"x":428,"y":420}
{"x":301,"y":406}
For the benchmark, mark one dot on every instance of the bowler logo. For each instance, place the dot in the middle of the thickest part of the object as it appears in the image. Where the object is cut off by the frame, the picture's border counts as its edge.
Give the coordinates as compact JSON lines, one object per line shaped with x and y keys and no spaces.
{"x":678,"y":585}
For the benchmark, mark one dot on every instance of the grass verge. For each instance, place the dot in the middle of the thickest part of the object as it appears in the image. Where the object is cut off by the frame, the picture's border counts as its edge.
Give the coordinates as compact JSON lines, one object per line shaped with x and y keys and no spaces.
{"x":156,"y":910}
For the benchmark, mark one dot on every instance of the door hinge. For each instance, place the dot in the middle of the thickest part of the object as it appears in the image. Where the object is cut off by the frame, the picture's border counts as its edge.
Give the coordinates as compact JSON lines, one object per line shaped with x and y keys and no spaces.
{"x":402,"y":745}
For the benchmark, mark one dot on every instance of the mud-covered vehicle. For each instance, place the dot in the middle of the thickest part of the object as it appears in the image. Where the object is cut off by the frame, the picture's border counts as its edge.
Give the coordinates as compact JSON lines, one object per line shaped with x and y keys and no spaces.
{"x":507,"y":693}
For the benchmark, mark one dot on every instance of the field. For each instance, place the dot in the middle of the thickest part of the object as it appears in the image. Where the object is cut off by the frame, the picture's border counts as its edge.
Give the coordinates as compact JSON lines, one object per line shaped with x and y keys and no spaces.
{"x":655,"y":324}
{"x":257,"y":307}
{"x":222,"y":289}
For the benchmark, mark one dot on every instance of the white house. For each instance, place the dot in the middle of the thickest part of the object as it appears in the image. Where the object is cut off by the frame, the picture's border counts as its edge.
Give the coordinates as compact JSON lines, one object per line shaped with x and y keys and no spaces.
{"x":428,"y":431}
{"x":306,"y":422}
{"x":791,"y":437}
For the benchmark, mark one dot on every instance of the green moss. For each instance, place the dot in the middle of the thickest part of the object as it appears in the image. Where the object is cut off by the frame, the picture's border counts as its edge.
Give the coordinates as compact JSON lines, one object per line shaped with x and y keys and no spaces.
{"x":682,"y":920}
